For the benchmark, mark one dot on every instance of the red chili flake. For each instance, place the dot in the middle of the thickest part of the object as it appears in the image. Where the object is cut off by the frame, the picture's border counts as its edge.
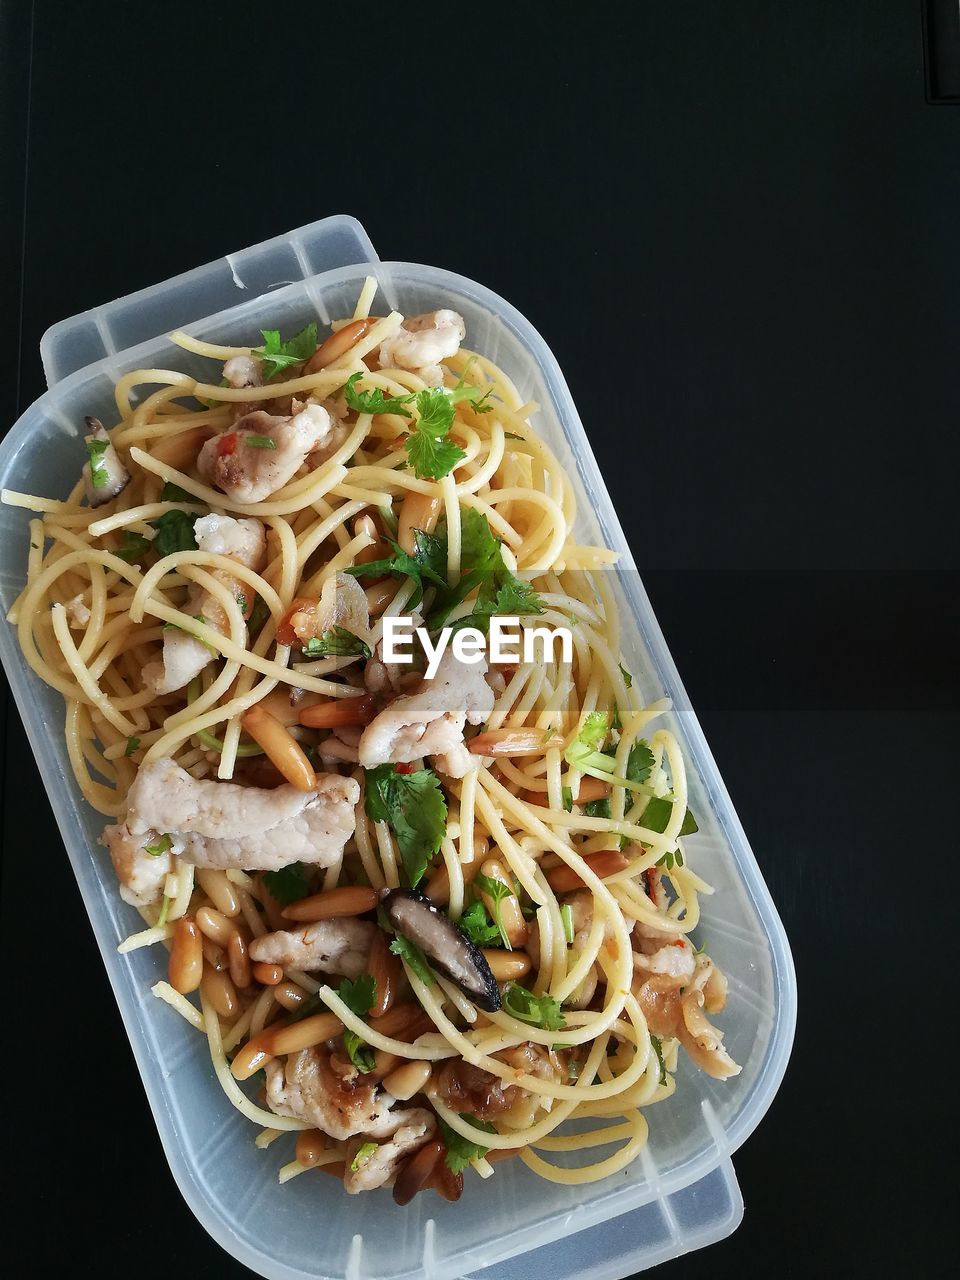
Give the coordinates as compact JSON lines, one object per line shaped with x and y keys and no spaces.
{"x":405,"y":768}
{"x":679,"y":943}
{"x":226,"y":444}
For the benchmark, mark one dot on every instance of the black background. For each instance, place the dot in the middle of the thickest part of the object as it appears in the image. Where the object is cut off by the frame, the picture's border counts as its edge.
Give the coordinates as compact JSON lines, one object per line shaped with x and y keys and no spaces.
{"x":736,"y":225}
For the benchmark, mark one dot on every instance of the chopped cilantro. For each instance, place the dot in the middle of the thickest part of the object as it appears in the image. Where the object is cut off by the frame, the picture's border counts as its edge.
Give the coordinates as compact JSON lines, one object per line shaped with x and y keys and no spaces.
{"x":132,"y":745}
{"x":364,"y":1152}
{"x":358,"y":995}
{"x":460,"y":1150}
{"x":496,"y":891}
{"x":174,"y":533}
{"x":163,"y":845}
{"x":431,"y":453}
{"x":338,"y":642}
{"x":414,"y":806}
{"x":477,"y":925}
{"x":134,"y":546}
{"x":259,"y":442}
{"x":276,"y":356}
{"x":289,"y":883}
{"x":566,"y":915}
{"x":99,"y":476}
{"x":173,"y":493}
{"x":658,"y":1050}
{"x":411,"y":953}
{"x":539,"y":1011}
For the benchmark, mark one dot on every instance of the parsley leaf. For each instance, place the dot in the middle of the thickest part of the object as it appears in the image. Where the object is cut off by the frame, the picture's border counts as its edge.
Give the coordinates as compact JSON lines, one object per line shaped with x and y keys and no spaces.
{"x":134,"y":546}
{"x":460,"y":1150}
{"x":539,"y":1011}
{"x":597,"y":808}
{"x":566,"y":794}
{"x":258,"y":616}
{"x":99,"y":476}
{"x":657,"y":814}
{"x":413,"y":805}
{"x":373,"y":401}
{"x":431,"y":454}
{"x":358,"y":995}
{"x":174,"y":533}
{"x":132,"y":745}
{"x":639,"y":761}
{"x":595,"y":728}
{"x":163,"y":845}
{"x":414,"y":957}
{"x":482,"y":566}
{"x":402,"y":565}
{"x":627,"y":677}
{"x":338,"y":642}
{"x":496,"y":890}
{"x":364,"y":1152}
{"x":276,"y":355}
{"x":173,"y":493}
{"x":289,"y":883}
{"x":477,"y":925}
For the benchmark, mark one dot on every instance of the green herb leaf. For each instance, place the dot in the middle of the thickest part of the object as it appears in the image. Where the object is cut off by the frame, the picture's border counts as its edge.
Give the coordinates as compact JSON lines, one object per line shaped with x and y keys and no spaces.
{"x":597,"y":808}
{"x":411,"y":953}
{"x":431,"y":454}
{"x":99,"y":475}
{"x":173,"y":493}
{"x":259,"y":442}
{"x":539,"y":1011}
{"x":639,"y":761}
{"x":163,"y":845}
{"x":289,"y":883}
{"x":258,"y":616}
{"x":402,"y":565}
{"x":132,"y":745}
{"x":414,"y":806}
{"x":338,"y":642}
{"x":364,"y":1152}
{"x":477,"y":925}
{"x":277,"y":356}
{"x":359,"y":996}
{"x":627,"y":677}
{"x":594,"y":730}
{"x":657,"y":814}
{"x":174,"y":533}
{"x":461,"y":1151}
{"x":496,"y":890}
{"x":566,"y":794}
{"x":482,"y":570}
{"x":134,"y":546}
{"x":374,"y":401}
{"x":658,"y":1050}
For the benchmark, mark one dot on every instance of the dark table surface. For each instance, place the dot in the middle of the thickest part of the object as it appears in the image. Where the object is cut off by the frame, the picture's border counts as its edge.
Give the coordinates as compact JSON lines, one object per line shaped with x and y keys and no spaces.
{"x":736,"y":226}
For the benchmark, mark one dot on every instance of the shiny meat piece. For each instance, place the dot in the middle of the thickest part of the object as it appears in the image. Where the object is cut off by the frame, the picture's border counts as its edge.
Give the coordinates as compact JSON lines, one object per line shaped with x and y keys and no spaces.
{"x":382,"y":1166}
{"x":224,"y":825}
{"x":430,"y":721}
{"x":307,"y":1088}
{"x":112,"y":475}
{"x":422,"y":342}
{"x":333,"y":946}
{"x":242,"y":371}
{"x":141,"y":874}
{"x":78,"y":615}
{"x":247,"y":473}
{"x":184,"y":656}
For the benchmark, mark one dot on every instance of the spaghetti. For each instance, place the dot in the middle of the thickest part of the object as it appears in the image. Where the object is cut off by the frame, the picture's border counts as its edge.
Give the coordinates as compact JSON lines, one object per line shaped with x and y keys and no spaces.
{"x":560,"y":854}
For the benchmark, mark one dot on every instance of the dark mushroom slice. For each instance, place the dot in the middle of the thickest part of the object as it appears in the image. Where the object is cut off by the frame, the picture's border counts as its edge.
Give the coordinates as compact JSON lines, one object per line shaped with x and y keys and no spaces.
{"x":449,"y":950}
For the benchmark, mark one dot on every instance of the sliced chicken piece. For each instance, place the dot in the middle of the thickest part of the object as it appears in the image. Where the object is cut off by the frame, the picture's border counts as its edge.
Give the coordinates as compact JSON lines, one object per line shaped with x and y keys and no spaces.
{"x":702,"y":1041}
{"x":381,"y":1167}
{"x":422,"y":342}
{"x":342,"y":603}
{"x":221,"y":824}
{"x":141,"y":874}
{"x":184,"y":656}
{"x":676,"y":961}
{"x":242,"y":371}
{"x":389,"y":678}
{"x":431,"y":721}
{"x":307,"y":1088}
{"x":104,"y":476}
{"x":333,"y":946}
{"x":341,"y":747}
{"x":251,"y":472}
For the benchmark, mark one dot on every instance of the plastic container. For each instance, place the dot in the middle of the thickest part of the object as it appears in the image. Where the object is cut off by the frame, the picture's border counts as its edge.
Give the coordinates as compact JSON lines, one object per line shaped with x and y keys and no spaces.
{"x":682,"y":1193}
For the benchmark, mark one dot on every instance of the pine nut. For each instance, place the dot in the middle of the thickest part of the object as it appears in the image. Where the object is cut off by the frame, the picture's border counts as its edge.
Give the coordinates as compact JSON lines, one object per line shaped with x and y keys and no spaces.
{"x":506,"y":966}
{"x":589,"y":789}
{"x":186,"y":957}
{"x":507,"y":908}
{"x":220,"y":892}
{"x":300,"y":1035}
{"x":379,"y":595}
{"x":418,"y":511}
{"x":438,"y":886}
{"x":514,"y":742}
{"x":240,"y":971}
{"x":215,"y":956}
{"x":281,"y":748}
{"x":338,"y":711}
{"x":386,"y":969}
{"x":289,"y":996}
{"x":337,"y":345}
{"x":605,"y":863}
{"x":404,"y":1022}
{"x":349,"y":900}
{"x":383,"y":1064}
{"x":214,"y":925}
{"x":378,"y":549}
{"x":268,"y":975}
{"x":311,"y":1144}
{"x":271,"y":907}
{"x":249,"y":1060}
{"x":407,"y":1080}
{"x":220,"y":991}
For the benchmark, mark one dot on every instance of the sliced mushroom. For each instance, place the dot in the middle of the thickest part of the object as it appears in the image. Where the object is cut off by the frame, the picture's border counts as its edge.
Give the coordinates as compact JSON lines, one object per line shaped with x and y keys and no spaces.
{"x":451,"y":951}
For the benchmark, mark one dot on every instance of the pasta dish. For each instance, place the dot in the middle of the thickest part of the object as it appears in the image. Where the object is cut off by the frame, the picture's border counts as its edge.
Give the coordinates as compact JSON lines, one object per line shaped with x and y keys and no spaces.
{"x":427,"y":912}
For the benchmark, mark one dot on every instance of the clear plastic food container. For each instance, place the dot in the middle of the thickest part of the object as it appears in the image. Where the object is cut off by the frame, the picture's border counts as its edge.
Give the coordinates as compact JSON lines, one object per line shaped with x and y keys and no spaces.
{"x":682,"y":1193}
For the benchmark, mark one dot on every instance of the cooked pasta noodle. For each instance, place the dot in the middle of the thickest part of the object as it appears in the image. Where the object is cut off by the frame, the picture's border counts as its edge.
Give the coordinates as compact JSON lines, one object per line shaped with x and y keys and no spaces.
{"x":583,"y":818}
